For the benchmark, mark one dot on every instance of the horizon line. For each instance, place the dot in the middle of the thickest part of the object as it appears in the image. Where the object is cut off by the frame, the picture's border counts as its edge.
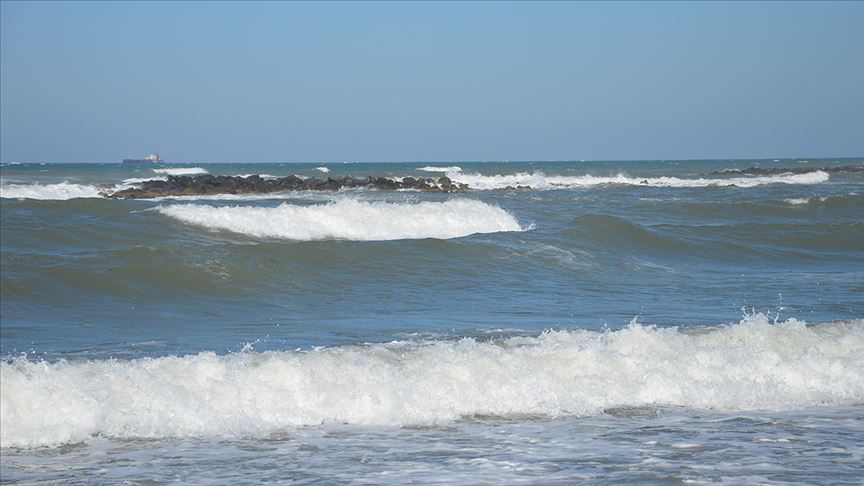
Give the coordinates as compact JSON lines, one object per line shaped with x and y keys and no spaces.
{"x":773,"y":159}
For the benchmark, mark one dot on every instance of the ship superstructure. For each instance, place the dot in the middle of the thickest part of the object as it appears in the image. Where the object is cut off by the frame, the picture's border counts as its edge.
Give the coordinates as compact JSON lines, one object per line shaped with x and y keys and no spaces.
{"x":152,"y":158}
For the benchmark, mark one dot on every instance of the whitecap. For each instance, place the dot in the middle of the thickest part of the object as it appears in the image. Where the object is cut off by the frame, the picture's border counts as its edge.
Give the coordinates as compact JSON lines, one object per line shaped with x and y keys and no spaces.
{"x":178,"y":171}
{"x":430,"y":168}
{"x":139,"y":180}
{"x":805,"y":200}
{"x":263,"y":176}
{"x":351,"y":219}
{"x":539,"y":180}
{"x":60,"y":192}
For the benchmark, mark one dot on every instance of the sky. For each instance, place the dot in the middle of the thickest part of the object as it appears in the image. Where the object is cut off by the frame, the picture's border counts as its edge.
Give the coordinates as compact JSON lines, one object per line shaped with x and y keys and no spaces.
{"x":437,"y":81}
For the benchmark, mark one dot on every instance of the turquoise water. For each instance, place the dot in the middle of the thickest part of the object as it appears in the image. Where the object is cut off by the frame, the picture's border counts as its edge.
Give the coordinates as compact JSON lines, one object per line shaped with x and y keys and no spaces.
{"x":617,"y":320}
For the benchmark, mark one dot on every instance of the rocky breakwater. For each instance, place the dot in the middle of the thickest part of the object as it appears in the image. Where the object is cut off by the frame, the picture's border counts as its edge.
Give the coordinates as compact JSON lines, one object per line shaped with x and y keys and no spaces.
{"x":205,"y":185}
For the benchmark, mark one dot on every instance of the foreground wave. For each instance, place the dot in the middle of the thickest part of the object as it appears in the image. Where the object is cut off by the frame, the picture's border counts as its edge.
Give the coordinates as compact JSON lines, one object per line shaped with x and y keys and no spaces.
{"x":351,"y":220}
{"x":749,"y":366}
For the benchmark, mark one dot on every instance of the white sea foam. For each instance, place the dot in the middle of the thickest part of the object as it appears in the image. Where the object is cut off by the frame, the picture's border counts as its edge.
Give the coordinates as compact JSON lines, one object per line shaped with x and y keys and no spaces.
{"x":181,"y":171}
{"x":431,"y":168}
{"x":322,"y":169}
{"x":263,"y":176}
{"x":351,"y":219}
{"x":138,"y":180}
{"x":314,"y":196}
{"x":754,"y":365}
{"x":539,"y":180}
{"x":805,"y":200}
{"x":60,"y":191}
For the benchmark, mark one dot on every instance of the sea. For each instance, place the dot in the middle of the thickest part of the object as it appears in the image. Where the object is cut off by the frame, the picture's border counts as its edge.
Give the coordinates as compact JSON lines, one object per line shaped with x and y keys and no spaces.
{"x":651,"y":322}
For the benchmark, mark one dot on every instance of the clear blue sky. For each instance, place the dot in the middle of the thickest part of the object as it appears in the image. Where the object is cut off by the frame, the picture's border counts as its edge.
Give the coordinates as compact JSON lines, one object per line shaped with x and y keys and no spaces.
{"x":436,"y":81}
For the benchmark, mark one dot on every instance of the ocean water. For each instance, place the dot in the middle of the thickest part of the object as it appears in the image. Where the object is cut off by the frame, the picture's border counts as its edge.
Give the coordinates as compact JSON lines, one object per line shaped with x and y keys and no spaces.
{"x":643,"y":321}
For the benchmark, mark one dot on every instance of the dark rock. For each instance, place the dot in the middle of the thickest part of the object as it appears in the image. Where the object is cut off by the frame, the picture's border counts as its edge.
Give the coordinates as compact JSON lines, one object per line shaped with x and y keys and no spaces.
{"x":207,"y":184}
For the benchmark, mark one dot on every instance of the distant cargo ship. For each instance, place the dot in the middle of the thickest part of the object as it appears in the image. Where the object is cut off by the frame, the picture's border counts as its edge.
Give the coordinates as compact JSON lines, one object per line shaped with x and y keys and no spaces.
{"x":153,"y":158}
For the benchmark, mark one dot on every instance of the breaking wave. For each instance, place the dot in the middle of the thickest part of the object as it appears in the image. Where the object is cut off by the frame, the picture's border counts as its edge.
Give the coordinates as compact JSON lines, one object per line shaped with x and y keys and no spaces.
{"x":181,"y":171}
{"x":430,"y":168}
{"x":263,"y":176}
{"x":804,"y":200}
{"x":60,"y":192}
{"x":322,"y":169}
{"x":539,"y":180}
{"x":754,"y":365}
{"x":849,"y":200}
{"x":351,"y":220}
{"x":139,"y":180}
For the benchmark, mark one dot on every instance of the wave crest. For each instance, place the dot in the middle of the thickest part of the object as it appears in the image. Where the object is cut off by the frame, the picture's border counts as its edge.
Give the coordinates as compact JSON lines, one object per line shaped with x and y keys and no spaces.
{"x":58,"y":192}
{"x":539,"y":180}
{"x":433,"y":168}
{"x":178,"y":171}
{"x":351,"y":220}
{"x":749,"y":366}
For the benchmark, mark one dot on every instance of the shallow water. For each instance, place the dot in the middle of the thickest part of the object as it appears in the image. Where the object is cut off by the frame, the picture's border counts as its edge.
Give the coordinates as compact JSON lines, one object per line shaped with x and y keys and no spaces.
{"x":645,"y":446}
{"x":404,"y":336}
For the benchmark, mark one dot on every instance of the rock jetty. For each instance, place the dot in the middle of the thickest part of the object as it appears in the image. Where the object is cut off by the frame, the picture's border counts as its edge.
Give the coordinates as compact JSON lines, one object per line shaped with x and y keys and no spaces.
{"x":205,"y":185}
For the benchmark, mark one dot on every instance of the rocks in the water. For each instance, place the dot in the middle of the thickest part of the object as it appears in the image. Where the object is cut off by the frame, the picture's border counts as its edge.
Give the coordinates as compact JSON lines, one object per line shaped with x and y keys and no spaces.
{"x":207,"y":184}
{"x":763,"y":171}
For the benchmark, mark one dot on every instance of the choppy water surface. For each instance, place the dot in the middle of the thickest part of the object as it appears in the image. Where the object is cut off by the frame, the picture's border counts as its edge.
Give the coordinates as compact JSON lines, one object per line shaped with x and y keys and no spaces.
{"x":628,"y":321}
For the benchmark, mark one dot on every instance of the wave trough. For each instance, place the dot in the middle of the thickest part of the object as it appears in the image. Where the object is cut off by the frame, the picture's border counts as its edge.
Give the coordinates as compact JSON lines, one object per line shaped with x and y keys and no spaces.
{"x":351,"y":220}
{"x":754,"y":365}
